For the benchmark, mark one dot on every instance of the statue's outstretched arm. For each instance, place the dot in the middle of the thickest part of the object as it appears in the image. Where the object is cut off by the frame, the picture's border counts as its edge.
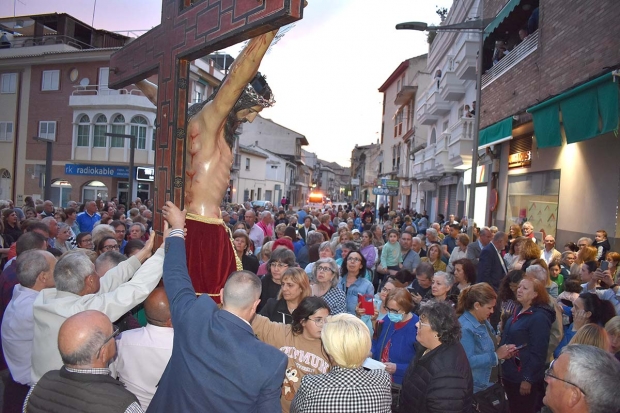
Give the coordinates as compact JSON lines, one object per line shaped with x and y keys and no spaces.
{"x":149,"y":89}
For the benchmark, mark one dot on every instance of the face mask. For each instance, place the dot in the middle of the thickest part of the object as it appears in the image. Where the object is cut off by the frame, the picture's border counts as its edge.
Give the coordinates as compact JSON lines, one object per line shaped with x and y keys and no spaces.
{"x":395,"y":318}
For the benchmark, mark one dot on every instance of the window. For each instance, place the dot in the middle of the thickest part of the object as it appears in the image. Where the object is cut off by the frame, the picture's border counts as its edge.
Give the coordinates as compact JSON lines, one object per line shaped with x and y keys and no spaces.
{"x":247,"y":164}
{"x":258,"y":194}
{"x":9,"y":82}
{"x":398,"y":122}
{"x":118,"y":126}
{"x":6,"y":131}
{"x":138,"y":129}
{"x":101,"y":127}
{"x":83,"y":131}
{"x":199,"y":92}
{"x":50,"y":80}
{"x":154,"y":140}
{"x":47,"y":130}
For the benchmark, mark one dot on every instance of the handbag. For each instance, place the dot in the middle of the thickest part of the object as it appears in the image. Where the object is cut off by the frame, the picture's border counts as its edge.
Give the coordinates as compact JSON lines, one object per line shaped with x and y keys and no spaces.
{"x":492,"y":399}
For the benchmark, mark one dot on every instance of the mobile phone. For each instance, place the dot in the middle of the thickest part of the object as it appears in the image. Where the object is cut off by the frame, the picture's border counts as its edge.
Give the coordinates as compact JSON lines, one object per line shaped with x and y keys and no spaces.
{"x":412,"y":291}
{"x":521,"y":346}
{"x":604,"y":265}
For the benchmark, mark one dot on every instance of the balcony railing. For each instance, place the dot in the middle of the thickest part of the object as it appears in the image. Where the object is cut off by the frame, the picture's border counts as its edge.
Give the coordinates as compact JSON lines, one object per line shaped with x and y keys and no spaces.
{"x":30,"y":41}
{"x":92,"y":90}
{"x":520,"y":52}
{"x":461,"y":142}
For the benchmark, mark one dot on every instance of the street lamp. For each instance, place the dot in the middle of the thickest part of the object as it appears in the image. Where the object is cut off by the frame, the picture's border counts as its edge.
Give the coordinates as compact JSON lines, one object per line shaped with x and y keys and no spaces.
{"x":477,"y":26}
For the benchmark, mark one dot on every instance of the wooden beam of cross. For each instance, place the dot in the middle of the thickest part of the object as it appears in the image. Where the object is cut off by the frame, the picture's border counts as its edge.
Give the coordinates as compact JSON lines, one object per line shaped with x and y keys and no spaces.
{"x":189,"y":29}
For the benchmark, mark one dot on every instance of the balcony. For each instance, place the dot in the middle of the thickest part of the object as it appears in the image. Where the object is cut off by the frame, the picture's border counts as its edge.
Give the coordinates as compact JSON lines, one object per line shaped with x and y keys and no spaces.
{"x":520,"y":52}
{"x":403,"y":171}
{"x":418,"y":164}
{"x":429,"y":168}
{"x":451,"y":88}
{"x":113,"y":155}
{"x":236,"y":163}
{"x":424,"y":116}
{"x":435,"y":104}
{"x":29,"y":45}
{"x":466,"y":56}
{"x":461,"y":143}
{"x":405,"y":94}
{"x":99,"y":96}
{"x":442,"y":163}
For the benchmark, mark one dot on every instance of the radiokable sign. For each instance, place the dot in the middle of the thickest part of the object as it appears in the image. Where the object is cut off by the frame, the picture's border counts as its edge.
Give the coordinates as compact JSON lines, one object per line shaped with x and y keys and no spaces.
{"x":110,"y":171}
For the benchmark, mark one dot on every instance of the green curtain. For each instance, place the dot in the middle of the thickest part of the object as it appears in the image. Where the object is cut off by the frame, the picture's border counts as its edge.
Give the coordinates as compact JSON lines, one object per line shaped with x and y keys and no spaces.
{"x":547,"y":126}
{"x":496,"y":132}
{"x":607,"y":94}
{"x":580,"y":116}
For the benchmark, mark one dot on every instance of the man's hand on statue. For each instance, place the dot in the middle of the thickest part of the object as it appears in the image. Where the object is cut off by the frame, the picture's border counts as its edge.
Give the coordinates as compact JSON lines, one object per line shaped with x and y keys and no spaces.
{"x":174,"y":216}
{"x":147,"y":250}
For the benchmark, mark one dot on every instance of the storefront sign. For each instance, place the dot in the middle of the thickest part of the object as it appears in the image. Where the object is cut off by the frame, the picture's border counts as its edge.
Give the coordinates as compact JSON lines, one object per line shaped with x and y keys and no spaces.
{"x":520,"y":160}
{"x":111,"y":171}
{"x":146,"y":174}
{"x":389,"y":183}
{"x":385,"y":191}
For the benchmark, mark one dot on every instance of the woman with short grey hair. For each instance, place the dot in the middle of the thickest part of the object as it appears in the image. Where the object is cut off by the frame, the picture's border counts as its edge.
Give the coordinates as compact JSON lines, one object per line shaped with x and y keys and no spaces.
{"x":443,"y":289}
{"x":324,"y":280}
{"x":326,"y":250}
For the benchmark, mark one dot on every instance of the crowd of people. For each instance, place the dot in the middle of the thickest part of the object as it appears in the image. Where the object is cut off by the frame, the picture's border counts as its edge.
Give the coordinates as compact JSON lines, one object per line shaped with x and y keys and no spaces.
{"x":338,"y":309}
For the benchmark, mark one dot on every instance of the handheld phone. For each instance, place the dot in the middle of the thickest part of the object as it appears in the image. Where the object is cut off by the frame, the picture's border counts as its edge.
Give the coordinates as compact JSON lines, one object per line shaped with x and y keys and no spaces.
{"x":604,"y":265}
{"x":521,"y":346}
{"x":366,"y":302}
{"x":412,"y":291}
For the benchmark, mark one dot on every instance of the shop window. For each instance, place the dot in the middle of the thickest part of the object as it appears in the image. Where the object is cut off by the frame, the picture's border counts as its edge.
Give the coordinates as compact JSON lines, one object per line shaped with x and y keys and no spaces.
{"x":534,"y":197}
{"x":61,"y":192}
{"x":94,"y":190}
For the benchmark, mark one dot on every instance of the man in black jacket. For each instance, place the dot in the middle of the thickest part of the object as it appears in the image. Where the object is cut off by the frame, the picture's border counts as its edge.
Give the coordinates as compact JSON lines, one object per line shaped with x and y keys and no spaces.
{"x":86,"y":344}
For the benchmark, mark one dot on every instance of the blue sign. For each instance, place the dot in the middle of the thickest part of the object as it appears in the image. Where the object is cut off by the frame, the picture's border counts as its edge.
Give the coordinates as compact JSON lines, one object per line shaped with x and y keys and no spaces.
{"x":385,"y":191}
{"x":111,"y":171}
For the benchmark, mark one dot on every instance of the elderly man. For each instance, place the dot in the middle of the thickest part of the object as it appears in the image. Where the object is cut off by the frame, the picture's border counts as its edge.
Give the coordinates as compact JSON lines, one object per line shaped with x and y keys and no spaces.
{"x":52,"y":227}
{"x":528,"y":230}
{"x":256,"y":233}
{"x":584,"y":379}
{"x":416,"y":245}
{"x":475,"y":248}
{"x":491,"y":267}
{"x":549,"y":253}
{"x":86,"y":220}
{"x":266,"y":223}
{"x":48,"y":209}
{"x":584,"y":242}
{"x":432,"y":237}
{"x":86,"y":345}
{"x":35,"y":271}
{"x":143,"y":353}
{"x":211,"y":368}
{"x":79,"y":288}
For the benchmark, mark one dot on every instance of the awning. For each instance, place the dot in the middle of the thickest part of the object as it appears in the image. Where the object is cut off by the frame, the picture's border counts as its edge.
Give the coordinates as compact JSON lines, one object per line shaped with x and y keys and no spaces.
{"x":496,"y":133}
{"x":588,"y":110}
{"x":509,"y":7}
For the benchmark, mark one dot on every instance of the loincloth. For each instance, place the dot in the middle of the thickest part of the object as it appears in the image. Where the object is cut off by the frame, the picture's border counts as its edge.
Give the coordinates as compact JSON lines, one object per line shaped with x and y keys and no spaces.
{"x":211,"y":255}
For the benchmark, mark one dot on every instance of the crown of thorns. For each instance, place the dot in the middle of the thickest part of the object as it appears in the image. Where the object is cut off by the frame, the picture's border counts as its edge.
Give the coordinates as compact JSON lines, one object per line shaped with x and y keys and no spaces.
{"x":257,"y":89}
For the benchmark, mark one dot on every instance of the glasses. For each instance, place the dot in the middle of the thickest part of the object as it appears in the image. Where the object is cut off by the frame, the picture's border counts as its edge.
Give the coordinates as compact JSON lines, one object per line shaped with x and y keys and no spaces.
{"x":87,"y":240}
{"x":120,"y":231}
{"x":110,"y":247}
{"x":116,"y":332}
{"x":391,"y":310}
{"x":324,"y":269}
{"x":318,"y":321}
{"x":278,"y":265}
{"x":386,"y":290}
{"x":549,"y":373}
{"x":354,"y":259}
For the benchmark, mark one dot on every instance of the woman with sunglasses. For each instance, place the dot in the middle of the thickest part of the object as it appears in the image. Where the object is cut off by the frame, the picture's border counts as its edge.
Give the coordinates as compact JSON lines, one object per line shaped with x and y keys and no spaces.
{"x":324,"y":278}
{"x":300,"y":341}
{"x":529,"y":329}
{"x":352,"y":280}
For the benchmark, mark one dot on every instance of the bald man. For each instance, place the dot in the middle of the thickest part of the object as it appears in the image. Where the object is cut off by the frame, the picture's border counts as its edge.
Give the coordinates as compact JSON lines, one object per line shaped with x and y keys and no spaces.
{"x":143,"y":354}
{"x":86,"y":344}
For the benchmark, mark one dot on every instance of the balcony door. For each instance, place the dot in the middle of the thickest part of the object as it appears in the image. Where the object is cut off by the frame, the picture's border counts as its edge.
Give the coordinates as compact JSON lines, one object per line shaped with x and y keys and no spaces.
{"x":104,"y":76}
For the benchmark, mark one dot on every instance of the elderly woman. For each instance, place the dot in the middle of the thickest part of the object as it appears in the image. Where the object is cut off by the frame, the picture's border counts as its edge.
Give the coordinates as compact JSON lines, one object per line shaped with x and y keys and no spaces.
{"x":295,"y":287}
{"x":529,"y":330}
{"x":395,"y":340}
{"x":464,"y":273}
{"x":511,"y":258}
{"x":301,"y":337}
{"x":136,"y":231}
{"x":476,"y":303}
{"x":352,"y":281}
{"x":85,"y":240}
{"x":433,"y":256}
{"x":347,"y":342}
{"x":613,"y":330}
{"x":460,"y":252}
{"x":440,"y":377}
{"x":61,"y":241}
{"x":265,"y":254}
{"x":326,"y":250}
{"x":443,"y":289}
{"x":281,"y":259}
{"x":105,"y":244}
{"x":567,"y":260}
{"x":325,"y":284}
{"x":241,"y":241}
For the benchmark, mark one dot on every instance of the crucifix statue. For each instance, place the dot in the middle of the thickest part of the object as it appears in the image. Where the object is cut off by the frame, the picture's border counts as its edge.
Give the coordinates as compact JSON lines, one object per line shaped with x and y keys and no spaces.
{"x":194,"y":149}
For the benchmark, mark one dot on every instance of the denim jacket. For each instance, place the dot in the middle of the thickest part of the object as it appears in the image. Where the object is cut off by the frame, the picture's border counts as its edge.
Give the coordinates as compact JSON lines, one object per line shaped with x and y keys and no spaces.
{"x":360,"y":286}
{"x":479,"y":348}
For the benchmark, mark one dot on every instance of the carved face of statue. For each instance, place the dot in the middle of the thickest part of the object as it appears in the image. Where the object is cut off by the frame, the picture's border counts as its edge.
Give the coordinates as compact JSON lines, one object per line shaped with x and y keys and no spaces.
{"x":249,"y":114}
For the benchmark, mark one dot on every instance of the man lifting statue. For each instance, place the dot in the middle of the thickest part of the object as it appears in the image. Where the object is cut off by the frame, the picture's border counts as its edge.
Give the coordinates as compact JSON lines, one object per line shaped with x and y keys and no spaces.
{"x":243,"y":93}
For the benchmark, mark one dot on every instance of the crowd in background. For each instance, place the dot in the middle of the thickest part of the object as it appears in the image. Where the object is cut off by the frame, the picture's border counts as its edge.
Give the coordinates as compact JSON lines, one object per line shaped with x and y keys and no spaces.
{"x":453,"y":322}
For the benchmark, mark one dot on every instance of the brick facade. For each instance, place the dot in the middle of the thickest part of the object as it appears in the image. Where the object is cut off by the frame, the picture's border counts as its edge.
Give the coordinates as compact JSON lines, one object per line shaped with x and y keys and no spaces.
{"x":578,"y":41}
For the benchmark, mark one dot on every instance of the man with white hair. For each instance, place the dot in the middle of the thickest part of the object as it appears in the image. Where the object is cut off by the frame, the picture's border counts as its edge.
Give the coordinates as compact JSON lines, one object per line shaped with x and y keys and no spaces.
{"x":86,"y":220}
{"x":266,"y":223}
{"x":549,"y":253}
{"x":79,"y":288}
{"x":584,"y":379}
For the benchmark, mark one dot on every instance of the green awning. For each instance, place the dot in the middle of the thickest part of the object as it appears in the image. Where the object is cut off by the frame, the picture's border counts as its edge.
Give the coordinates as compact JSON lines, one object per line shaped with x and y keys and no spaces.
{"x":588,"y":110}
{"x":496,"y":133}
{"x":509,"y":7}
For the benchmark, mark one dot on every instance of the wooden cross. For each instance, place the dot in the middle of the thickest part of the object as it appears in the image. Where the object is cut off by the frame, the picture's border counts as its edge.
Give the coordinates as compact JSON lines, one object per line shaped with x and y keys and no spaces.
{"x":189,"y":29}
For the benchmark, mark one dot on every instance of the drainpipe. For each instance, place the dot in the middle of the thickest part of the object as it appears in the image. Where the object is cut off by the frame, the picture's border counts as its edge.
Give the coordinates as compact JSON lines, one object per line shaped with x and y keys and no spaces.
{"x":16,"y":134}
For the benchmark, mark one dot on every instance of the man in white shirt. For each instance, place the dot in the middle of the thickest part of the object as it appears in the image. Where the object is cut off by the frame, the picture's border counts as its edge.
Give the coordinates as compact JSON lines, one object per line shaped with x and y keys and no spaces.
{"x":35,"y":271}
{"x":143,"y":354}
{"x":257,"y":235}
{"x":79,"y":288}
{"x":549,"y":253}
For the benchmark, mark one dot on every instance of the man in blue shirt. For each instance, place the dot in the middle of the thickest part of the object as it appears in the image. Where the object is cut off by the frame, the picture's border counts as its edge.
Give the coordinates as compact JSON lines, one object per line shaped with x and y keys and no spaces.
{"x":87,"y":219}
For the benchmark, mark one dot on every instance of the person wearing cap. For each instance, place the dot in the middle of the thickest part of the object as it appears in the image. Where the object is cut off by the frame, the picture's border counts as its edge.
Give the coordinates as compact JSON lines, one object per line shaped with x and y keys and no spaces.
{"x":356,"y":236}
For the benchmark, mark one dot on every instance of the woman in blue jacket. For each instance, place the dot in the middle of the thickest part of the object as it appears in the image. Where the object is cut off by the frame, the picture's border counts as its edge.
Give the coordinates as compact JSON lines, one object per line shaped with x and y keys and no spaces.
{"x":476,"y":304}
{"x":529,"y":330}
{"x":395,"y":335}
{"x":352,"y":281}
